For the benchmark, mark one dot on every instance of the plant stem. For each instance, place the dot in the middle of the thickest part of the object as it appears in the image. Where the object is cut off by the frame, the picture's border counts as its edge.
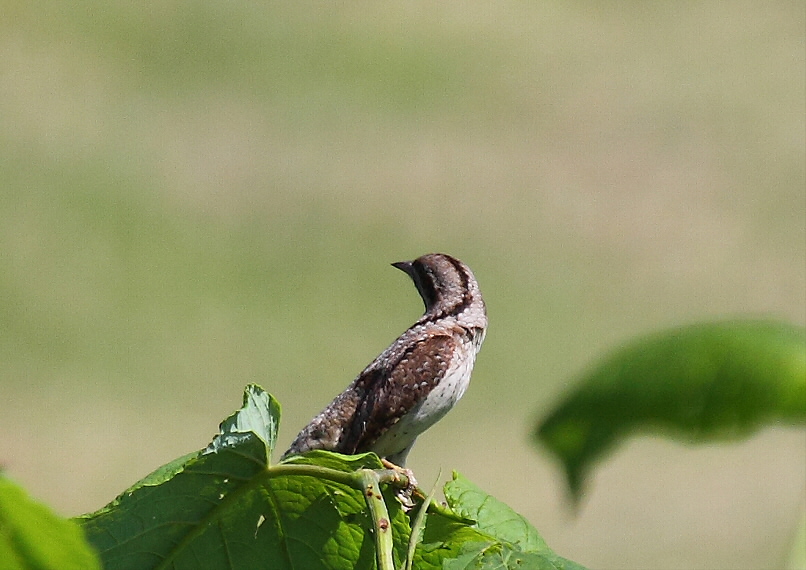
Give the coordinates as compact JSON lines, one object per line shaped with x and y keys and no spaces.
{"x":419,"y":524}
{"x":382,"y":526}
{"x":350,"y":478}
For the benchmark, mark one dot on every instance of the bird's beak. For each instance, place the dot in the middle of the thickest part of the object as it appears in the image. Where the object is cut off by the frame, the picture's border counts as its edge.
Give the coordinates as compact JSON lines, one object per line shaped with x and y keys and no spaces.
{"x":404,"y":266}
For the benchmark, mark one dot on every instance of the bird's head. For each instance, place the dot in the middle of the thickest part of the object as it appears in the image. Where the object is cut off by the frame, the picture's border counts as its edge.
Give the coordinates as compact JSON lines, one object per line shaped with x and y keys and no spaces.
{"x":447,"y":286}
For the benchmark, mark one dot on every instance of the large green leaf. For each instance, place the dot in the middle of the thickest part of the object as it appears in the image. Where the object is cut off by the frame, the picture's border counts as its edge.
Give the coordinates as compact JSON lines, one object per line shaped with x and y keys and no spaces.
{"x":181,"y":514}
{"x":226,"y":507}
{"x":33,"y":538}
{"x":511,"y":541}
{"x":491,"y":515}
{"x":697,"y":383}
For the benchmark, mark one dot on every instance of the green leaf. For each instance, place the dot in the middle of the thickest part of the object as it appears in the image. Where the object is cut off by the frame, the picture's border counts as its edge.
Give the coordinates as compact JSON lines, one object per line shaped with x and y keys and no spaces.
{"x":502,"y":555}
{"x":496,"y":537}
{"x":491,"y":515}
{"x":225,"y":507}
{"x":32,"y":537}
{"x":697,"y":383}
{"x":445,"y":539}
{"x":512,"y":541}
{"x":259,"y":417}
{"x":180,"y":512}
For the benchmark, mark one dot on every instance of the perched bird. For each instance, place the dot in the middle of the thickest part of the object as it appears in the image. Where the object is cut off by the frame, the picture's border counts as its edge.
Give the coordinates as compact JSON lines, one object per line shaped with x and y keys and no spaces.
{"x":412,"y":384}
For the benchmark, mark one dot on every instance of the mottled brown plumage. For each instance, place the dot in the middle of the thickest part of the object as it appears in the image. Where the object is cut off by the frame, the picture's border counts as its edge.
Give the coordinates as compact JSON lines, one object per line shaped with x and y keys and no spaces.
{"x":413,"y":383}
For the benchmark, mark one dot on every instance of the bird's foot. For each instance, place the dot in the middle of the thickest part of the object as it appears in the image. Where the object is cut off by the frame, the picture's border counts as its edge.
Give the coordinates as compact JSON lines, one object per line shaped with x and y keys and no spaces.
{"x":405,"y":493}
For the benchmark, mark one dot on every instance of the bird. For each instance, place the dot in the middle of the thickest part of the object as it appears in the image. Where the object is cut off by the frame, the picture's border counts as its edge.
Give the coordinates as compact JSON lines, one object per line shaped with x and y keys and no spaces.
{"x":414,"y":382}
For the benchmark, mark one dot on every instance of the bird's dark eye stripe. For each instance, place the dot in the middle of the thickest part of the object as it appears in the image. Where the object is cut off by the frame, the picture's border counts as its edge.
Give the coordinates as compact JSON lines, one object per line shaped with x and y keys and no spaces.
{"x":425,"y":284}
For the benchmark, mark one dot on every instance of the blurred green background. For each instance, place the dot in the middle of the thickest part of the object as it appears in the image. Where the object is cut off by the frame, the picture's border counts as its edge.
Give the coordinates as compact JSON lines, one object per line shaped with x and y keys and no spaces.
{"x":198,"y":195}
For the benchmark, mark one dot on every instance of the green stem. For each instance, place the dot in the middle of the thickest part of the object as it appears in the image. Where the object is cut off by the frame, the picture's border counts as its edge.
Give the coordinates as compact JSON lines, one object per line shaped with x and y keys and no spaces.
{"x":382,"y":525}
{"x":419,"y":524}
{"x":350,"y":478}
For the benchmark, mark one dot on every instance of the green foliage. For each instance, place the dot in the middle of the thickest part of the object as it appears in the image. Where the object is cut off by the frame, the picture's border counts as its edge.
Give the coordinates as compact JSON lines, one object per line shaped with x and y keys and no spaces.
{"x":169,"y":516}
{"x":33,"y":538}
{"x":516,"y":544}
{"x":228,"y":507}
{"x":697,"y":383}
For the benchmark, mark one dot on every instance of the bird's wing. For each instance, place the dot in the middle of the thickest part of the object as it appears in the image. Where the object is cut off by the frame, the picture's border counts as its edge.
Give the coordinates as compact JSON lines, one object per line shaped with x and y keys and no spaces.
{"x":406,"y":381}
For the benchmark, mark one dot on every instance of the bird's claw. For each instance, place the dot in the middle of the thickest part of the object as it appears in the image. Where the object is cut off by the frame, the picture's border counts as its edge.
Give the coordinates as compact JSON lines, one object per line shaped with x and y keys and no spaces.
{"x":404,"y":494}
